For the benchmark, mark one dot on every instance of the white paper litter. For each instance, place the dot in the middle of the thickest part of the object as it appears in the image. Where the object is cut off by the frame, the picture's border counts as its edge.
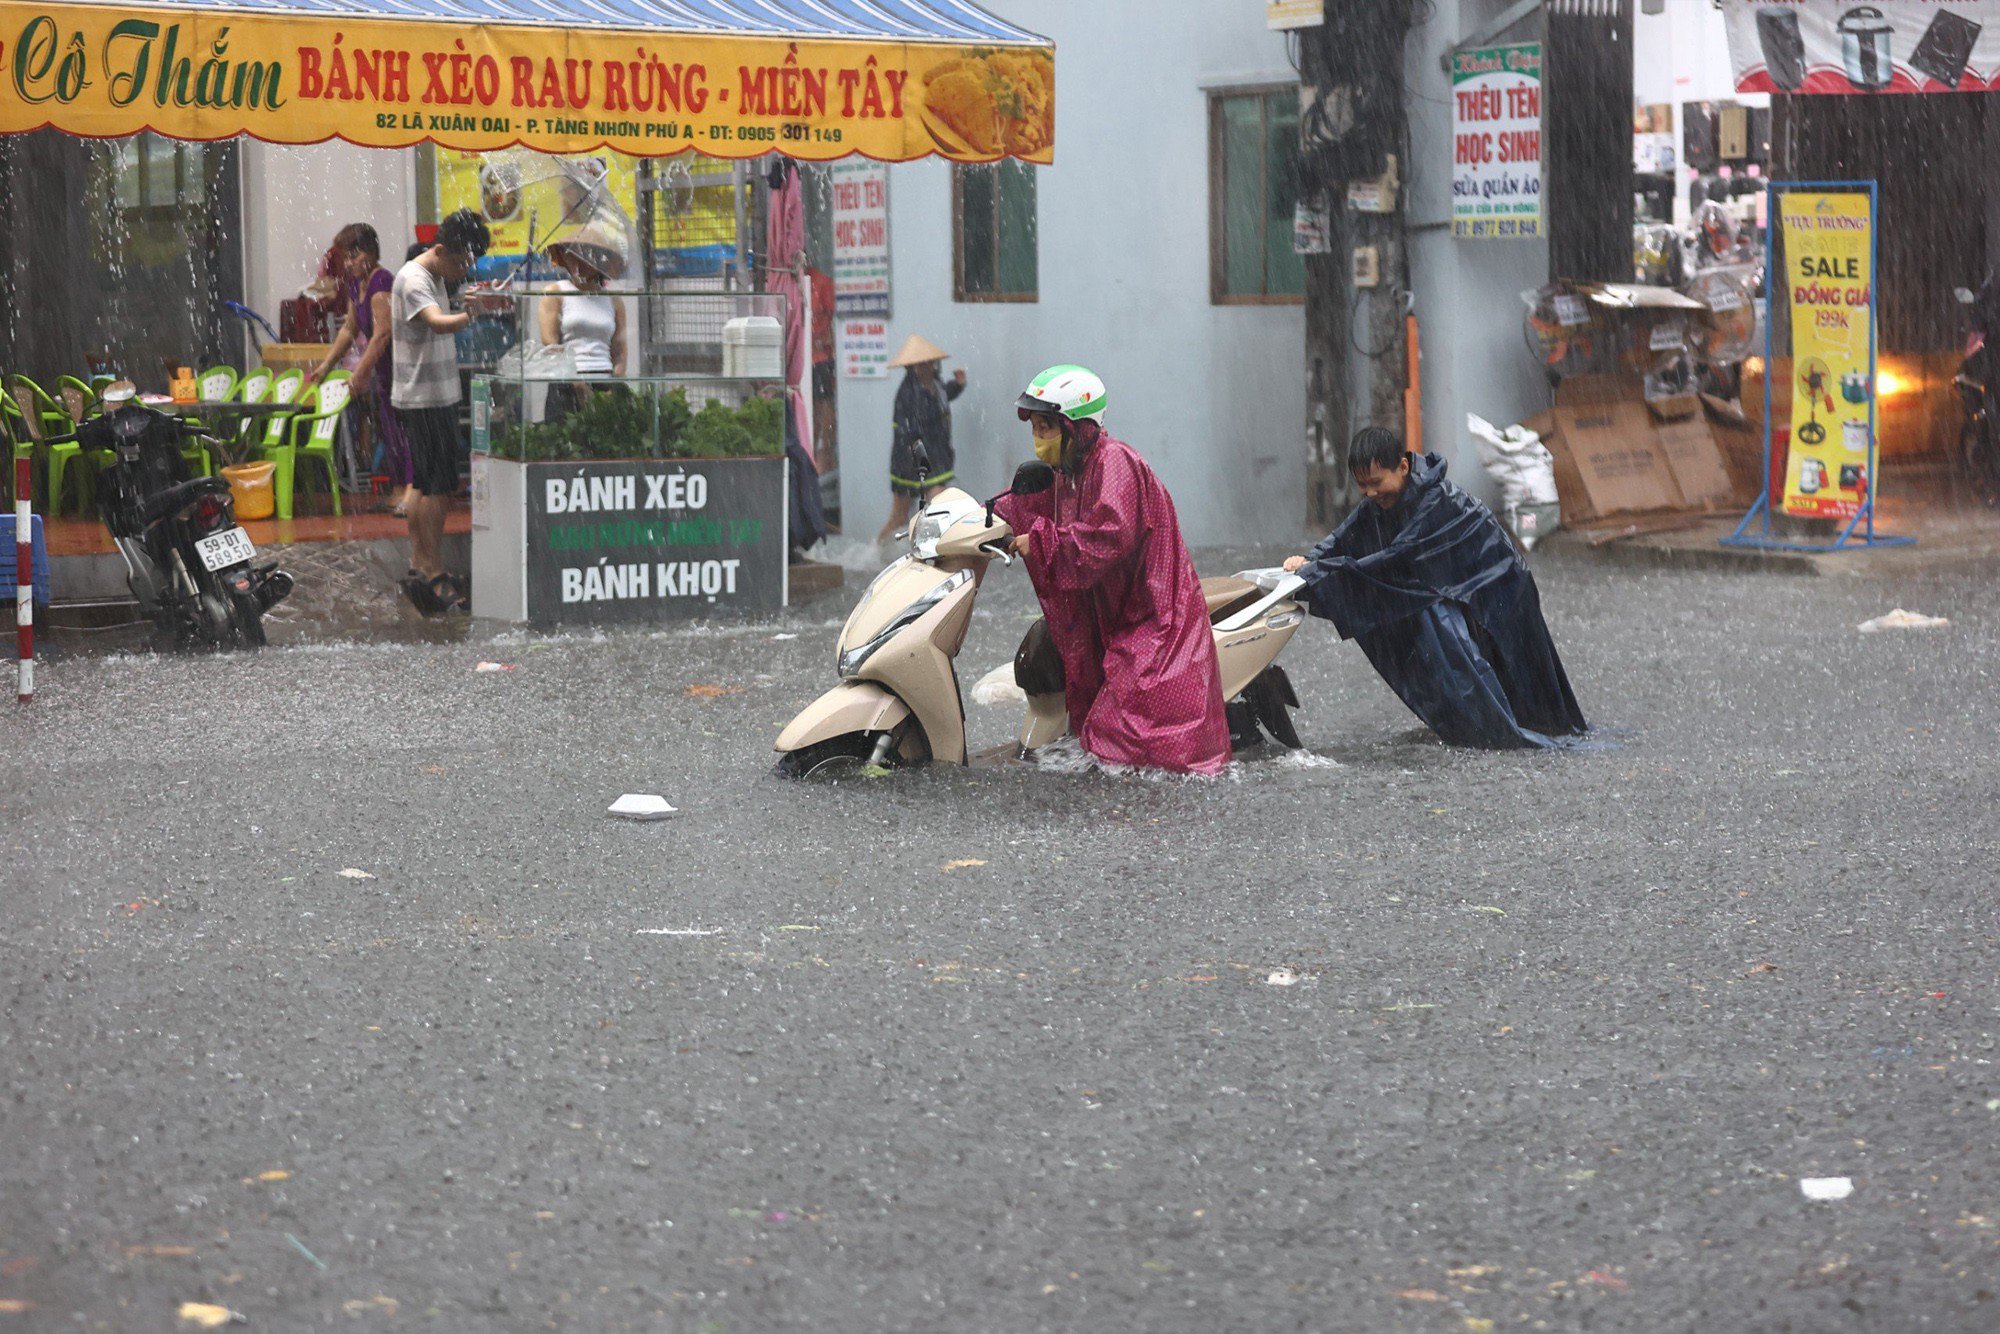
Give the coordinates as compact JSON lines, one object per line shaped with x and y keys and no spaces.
{"x":351,"y":873}
{"x":779,"y":639}
{"x":488,"y":667}
{"x":669,"y":931}
{"x":1282,"y":977}
{"x":1901,"y":620}
{"x":998,"y":687}
{"x":1826,"y":1188}
{"x":641,"y":806}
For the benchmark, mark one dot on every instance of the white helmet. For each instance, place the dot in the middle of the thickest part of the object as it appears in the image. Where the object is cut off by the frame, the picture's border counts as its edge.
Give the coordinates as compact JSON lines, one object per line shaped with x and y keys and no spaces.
{"x":1072,"y":391}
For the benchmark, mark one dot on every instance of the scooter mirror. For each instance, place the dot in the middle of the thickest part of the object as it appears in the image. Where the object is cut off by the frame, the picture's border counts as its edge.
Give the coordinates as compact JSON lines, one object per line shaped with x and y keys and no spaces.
{"x":1032,"y":478}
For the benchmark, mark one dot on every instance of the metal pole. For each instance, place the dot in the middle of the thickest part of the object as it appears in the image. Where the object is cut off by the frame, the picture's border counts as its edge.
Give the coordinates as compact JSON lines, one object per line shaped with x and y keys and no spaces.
{"x":1772,"y":284}
{"x":24,"y":575}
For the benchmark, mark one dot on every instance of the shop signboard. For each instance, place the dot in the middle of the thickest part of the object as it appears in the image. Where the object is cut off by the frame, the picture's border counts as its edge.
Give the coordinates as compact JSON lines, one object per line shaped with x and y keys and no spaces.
{"x":860,"y":193}
{"x":107,"y":70}
{"x":864,"y":349}
{"x":1829,"y":250}
{"x":1496,"y":115}
{"x":1841,"y":48}
{"x":648,"y":540}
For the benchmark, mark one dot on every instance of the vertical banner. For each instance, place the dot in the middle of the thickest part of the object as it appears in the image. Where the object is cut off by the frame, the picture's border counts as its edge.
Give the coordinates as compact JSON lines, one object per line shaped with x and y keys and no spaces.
{"x":1829,"y":258}
{"x":1496,"y":122}
{"x":860,"y":238}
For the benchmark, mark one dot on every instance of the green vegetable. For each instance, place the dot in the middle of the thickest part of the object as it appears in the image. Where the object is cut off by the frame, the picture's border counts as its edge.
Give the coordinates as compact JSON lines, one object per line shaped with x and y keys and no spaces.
{"x":641,"y":423}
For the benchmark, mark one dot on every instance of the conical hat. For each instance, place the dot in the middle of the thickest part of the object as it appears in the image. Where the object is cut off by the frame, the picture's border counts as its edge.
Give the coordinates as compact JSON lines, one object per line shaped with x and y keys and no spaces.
{"x":918,"y":349}
{"x":596,"y":246}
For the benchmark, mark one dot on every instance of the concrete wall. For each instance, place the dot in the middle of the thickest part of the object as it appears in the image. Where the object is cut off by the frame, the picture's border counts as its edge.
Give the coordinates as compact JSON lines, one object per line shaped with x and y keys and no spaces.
{"x":1213,"y":396}
{"x":295,"y":199}
{"x":1467,"y":292}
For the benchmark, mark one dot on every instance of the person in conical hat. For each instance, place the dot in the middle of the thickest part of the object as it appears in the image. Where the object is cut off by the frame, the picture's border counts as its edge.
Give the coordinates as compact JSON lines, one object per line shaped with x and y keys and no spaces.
{"x":923,"y":418}
{"x":584,"y":318}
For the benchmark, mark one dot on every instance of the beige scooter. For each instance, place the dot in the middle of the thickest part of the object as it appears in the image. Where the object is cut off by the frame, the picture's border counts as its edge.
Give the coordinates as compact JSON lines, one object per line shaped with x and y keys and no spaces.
{"x":898,"y":700}
{"x":1253,"y":613}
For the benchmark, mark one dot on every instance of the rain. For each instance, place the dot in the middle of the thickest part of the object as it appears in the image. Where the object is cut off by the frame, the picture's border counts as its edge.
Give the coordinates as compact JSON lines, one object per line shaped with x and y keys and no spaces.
{"x":726,"y":921}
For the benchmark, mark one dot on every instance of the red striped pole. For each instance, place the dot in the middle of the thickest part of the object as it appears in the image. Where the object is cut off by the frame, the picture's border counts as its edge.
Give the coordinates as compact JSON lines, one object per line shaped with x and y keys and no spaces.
{"x":24,"y":574}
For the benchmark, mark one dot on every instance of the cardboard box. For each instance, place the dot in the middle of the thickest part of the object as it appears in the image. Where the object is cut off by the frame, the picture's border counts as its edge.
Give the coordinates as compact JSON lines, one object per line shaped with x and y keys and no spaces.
{"x":1609,"y":461}
{"x":1695,"y":461}
{"x":1616,"y":453}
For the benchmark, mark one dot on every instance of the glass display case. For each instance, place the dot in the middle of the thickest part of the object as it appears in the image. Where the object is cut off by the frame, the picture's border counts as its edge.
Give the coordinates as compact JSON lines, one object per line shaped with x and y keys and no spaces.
{"x":703,"y":377}
{"x":654,"y":494}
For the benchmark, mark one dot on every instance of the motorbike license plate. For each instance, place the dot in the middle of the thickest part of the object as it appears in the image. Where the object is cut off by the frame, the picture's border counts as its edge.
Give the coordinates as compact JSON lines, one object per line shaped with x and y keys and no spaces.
{"x":221,"y":550}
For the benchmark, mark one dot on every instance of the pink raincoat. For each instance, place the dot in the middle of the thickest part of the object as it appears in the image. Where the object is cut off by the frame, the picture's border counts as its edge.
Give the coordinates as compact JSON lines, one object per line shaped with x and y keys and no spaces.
{"x":1125,"y":610}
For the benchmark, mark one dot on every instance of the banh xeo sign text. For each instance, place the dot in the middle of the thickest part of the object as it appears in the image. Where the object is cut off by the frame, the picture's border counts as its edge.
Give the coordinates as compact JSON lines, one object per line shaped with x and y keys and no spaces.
{"x":105,"y":71}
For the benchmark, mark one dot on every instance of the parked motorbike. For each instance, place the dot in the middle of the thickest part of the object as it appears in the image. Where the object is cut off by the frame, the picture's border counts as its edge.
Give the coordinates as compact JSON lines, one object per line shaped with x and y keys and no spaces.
{"x":186,"y":561}
{"x":898,"y":700}
{"x":1978,"y":385}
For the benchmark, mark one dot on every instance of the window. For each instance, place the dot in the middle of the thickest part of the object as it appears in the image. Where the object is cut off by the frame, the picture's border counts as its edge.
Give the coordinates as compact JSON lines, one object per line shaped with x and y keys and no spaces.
{"x":993,"y":248}
{"x":1253,"y":178}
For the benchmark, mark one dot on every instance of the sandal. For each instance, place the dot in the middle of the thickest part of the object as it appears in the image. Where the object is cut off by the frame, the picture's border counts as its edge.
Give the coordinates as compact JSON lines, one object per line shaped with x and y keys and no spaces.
{"x":421,"y":595}
{"x":450,"y":593}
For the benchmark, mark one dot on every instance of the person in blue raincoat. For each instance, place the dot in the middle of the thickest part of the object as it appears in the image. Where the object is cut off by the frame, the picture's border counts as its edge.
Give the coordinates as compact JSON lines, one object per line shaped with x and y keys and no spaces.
{"x":1425,"y":580}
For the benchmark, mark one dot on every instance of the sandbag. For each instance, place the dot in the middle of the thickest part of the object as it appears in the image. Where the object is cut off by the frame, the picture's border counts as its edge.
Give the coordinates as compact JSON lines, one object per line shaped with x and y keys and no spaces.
{"x":1525,"y":471}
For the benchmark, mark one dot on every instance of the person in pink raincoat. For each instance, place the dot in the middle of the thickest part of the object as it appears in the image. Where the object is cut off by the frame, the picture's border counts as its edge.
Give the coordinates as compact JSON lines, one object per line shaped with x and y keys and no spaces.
{"x":1118,"y":590}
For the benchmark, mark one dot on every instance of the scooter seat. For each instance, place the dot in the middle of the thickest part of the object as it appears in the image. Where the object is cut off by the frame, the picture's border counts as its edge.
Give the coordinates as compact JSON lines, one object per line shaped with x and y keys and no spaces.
{"x":1226,"y":594}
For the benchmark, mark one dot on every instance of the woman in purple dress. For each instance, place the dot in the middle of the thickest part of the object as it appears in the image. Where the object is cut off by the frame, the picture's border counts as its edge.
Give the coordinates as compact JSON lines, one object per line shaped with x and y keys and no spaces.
{"x":367,"y":285}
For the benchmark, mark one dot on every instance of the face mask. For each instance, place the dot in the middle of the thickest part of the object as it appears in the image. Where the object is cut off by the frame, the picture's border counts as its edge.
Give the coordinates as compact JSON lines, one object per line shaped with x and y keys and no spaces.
{"x":1049,"y":448}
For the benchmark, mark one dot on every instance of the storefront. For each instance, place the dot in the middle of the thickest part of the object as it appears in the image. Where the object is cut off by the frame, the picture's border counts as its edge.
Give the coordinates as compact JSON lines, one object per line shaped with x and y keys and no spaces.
{"x":157,"y":106}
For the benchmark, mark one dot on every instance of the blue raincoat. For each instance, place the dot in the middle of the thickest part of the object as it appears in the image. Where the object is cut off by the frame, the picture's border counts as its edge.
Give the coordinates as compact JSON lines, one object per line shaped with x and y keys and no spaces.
{"x":1444,"y":607}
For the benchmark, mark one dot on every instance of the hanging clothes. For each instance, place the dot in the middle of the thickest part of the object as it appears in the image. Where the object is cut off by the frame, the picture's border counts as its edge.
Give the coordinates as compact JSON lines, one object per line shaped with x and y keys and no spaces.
{"x":1126,"y":612}
{"x":1446,"y":610}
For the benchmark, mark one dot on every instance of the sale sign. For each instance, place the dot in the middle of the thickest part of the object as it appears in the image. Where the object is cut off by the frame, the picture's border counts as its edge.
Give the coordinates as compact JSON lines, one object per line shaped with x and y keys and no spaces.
{"x":1829,"y":253}
{"x":1496,"y":117}
{"x":860,"y":238}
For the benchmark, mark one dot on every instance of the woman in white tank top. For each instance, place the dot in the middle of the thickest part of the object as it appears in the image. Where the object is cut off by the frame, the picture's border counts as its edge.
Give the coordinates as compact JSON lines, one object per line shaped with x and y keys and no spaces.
{"x":584,"y":319}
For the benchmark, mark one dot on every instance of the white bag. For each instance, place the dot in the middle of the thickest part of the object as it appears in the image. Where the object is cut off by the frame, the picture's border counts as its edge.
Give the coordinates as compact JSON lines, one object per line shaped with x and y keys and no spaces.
{"x":1526,"y":472}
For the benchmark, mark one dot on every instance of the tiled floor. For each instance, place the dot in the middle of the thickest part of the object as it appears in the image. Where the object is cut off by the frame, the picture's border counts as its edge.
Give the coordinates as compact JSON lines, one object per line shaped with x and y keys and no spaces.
{"x":74,"y":536}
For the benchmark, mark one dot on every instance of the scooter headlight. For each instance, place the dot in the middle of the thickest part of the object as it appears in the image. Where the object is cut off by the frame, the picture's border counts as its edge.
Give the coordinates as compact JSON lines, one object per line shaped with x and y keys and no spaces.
{"x":924,"y":535}
{"x":850,"y":662}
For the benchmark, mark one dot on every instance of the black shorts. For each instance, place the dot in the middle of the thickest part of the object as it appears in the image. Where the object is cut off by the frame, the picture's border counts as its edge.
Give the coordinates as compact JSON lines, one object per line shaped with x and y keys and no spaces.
{"x":433,"y":437}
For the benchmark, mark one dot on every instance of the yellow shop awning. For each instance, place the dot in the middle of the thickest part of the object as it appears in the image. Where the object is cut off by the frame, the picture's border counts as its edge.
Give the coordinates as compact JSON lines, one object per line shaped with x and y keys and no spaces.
{"x":812,"y":79}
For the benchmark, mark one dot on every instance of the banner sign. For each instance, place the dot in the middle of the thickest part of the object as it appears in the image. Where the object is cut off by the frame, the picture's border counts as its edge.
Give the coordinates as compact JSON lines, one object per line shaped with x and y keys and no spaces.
{"x":1829,"y":255}
{"x":1496,"y":121}
{"x":108,"y":71}
{"x":860,"y":238}
{"x":533,"y":209}
{"x":648,"y":540}
{"x":1888,"y":46}
{"x":864,"y":349}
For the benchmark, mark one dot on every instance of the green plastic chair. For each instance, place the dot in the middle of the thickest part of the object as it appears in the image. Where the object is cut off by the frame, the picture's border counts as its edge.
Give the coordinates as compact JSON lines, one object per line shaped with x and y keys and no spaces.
{"x":217,"y":384}
{"x":285,"y":389}
{"x":312,"y":435}
{"x":22,"y":439}
{"x":35,"y":417}
{"x":78,"y":402}
{"x":254,"y":387}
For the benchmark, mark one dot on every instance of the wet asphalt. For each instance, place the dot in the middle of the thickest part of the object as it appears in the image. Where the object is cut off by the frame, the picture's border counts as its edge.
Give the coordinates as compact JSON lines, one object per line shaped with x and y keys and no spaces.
{"x":999,"y":1049}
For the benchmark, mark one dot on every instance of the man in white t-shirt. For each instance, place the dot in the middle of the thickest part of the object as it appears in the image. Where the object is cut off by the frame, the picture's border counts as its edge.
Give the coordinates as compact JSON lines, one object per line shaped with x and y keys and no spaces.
{"x":425,"y":395}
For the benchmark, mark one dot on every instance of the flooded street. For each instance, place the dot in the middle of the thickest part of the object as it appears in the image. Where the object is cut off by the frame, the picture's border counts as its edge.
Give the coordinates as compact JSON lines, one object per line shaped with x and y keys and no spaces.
{"x":332,"y":991}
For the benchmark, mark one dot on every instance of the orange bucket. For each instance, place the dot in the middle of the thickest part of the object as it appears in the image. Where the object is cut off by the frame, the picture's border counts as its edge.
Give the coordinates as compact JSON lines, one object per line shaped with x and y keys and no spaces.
{"x":251,"y":490}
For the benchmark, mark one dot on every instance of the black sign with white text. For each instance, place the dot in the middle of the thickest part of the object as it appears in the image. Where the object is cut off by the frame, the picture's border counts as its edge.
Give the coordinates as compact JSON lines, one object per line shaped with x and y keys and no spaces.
{"x":654,"y":539}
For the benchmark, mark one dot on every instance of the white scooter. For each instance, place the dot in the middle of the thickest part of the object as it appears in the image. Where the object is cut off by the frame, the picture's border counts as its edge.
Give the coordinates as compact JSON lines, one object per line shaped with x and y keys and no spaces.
{"x":898,"y":700}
